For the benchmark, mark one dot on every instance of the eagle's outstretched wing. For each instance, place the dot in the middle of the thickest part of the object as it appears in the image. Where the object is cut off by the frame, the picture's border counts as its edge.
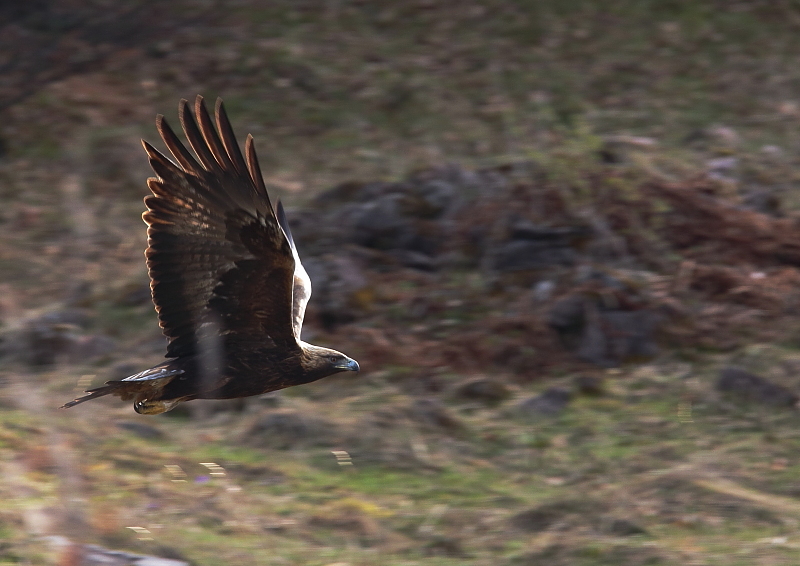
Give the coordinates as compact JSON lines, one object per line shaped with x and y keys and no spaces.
{"x":216,"y":254}
{"x":301,"y":291}
{"x":226,"y":279}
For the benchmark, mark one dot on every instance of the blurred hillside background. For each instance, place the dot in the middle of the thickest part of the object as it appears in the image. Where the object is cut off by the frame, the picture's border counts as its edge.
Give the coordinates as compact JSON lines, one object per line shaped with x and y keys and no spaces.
{"x":561,"y":237}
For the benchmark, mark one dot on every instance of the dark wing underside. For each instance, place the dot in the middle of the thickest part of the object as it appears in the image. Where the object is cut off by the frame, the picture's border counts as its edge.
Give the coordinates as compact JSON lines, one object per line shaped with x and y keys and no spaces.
{"x":218,"y":259}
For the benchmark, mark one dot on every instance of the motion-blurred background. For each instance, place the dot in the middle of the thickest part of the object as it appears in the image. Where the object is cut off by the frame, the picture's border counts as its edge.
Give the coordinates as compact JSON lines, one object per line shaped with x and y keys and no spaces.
{"x":561,"y":237}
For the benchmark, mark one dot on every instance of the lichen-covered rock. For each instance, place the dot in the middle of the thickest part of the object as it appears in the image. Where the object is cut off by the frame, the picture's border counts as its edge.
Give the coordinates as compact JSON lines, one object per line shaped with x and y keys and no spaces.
{"x":484,"y":390}
{"x":285,"y":428}
{"x":52,"y":338}
{"x":752,"y":388}
{"x":550,"y":403}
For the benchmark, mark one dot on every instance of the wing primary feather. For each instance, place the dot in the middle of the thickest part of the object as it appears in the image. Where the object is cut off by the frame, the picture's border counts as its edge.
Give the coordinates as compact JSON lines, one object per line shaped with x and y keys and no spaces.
{"x":210,"y":134}
{"x":195,"y":138}
{"x":154,"y":155}
{"x":161,"y":164}
{"x":228,"y":138}
{"x":176,"y":148}
{"x":255,"y":171}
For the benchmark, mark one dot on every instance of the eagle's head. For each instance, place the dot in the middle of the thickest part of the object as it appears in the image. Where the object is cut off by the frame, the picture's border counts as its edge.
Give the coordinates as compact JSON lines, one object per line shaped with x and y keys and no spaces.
{"x":319,"y":362}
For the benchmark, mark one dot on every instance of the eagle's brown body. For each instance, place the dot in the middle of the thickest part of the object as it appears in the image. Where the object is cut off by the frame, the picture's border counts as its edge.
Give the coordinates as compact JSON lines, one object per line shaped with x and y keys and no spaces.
{"x":225,"y":276}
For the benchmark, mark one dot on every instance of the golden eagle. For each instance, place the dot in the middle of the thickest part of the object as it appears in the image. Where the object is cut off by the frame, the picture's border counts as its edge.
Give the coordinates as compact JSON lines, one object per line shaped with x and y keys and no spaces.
{"x":225,"y":276}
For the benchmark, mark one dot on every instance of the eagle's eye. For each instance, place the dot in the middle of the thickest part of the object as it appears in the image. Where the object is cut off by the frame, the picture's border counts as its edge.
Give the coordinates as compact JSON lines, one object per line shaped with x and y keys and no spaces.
{"x":333,"y":359}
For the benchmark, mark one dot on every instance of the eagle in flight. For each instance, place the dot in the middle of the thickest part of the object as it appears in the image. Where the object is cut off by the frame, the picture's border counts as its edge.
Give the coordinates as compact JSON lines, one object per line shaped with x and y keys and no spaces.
{"x":225,"y":276}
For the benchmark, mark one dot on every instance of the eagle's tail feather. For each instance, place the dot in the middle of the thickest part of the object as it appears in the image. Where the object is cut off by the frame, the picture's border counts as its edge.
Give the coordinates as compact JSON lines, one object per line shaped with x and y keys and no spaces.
{"x":148,"y":381}
{"x":92,"y":394}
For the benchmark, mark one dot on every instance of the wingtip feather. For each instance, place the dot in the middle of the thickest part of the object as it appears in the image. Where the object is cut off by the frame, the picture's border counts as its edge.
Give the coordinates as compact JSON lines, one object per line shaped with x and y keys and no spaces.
{"x":211,"y":136}
{"x":149,"y":149}
{"x":255,"y":170}
{"x":229,"y":138}
{"x":195,"y":136}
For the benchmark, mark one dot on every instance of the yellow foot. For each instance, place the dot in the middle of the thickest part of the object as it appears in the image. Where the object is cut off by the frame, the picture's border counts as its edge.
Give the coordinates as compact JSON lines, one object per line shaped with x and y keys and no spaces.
{"x":147,"y":407}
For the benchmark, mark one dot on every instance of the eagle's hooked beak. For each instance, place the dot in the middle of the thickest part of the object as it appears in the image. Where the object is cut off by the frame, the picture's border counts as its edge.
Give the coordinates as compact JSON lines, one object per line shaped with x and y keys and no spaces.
{"x":348,"y":364}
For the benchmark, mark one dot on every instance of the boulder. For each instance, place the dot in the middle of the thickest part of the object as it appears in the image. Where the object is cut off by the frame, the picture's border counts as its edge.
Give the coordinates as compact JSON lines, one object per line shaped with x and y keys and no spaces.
{"x":550,"y":403}
{"x":752,"y":388}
